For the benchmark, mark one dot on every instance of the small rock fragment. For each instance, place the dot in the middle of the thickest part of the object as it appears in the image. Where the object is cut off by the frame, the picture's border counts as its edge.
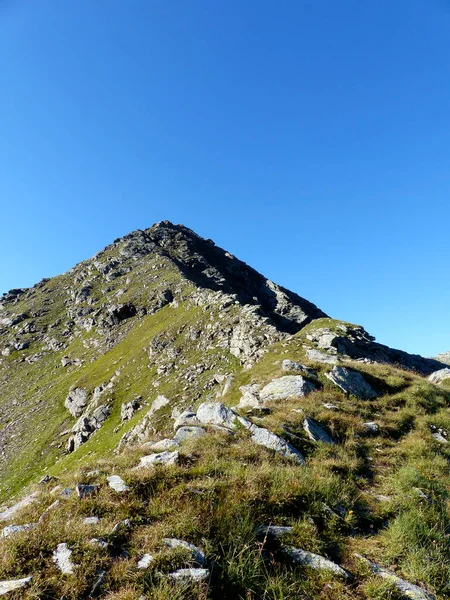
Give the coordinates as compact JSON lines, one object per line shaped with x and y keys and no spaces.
{"x":117,"y":483}
{"x":62,"y":559}
{"x":14,"y":584}
{"x":145,"y":561}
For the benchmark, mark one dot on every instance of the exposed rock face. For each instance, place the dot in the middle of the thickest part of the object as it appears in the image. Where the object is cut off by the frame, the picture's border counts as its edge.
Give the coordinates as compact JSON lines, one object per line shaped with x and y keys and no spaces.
{"x":355,"y":342}
{"x":443,"y":358}
{"x":351,"y":382}
{"x":439,"y":376}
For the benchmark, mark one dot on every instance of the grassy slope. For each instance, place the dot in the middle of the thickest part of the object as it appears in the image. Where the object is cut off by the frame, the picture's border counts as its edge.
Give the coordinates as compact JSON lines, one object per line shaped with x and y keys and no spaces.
{"x":389,"y":492}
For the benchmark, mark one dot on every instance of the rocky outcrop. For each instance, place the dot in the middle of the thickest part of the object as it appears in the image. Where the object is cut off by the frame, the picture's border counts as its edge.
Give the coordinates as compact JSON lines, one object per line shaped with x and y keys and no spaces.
{"x":351,"y":382}
{"x":354,"y":342}
{"x":439,"y":376}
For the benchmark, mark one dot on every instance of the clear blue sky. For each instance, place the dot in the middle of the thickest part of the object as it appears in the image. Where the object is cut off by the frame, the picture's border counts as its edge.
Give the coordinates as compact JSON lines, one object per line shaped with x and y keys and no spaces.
{"x":311,"y":138}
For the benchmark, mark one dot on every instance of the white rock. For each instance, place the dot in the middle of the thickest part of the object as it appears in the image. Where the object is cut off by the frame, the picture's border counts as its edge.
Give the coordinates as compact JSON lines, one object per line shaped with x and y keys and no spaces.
{"x":62,"y":559}
{"x":14,"y":584}
{"x":145,"y":561}
{"x":91,"y":521}
{"x":98,"y":542}
{"x":162,"y":458}
{"x":117,"y":483}
{"x":187,"y":417}
{"x":190,"y":575}
{"x":197,"y":554}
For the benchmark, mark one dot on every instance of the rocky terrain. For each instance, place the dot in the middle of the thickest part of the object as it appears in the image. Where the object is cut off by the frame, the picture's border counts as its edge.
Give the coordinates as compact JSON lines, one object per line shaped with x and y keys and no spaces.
{"x":173,"y":424}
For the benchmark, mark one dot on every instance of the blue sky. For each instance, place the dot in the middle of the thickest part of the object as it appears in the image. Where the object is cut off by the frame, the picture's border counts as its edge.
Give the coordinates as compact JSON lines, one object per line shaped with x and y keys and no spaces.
{"x":311,"y":138}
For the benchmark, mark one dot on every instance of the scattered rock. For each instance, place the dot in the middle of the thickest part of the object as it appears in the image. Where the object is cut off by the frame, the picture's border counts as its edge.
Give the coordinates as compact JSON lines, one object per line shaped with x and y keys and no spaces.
{"x":8,"y":514}
{"x":84,"y":491}
{"x":439,"y":438}
{"x":99,"y":543}
{"x":62,"y":559}
{"x":264,"y":437}
{"x":290,"y":365}
{"x":162,"y":445}
{"x":187,"y":433}
{"x":14,"y":584}
{"x":315,"y":561}
{"x":316,"y":432}
{"x":190,"y":575}
{"x":411,"y":591}
{"x":197,"y":554}
{"x":371,"y":427}
{"x":125,"y":524}
{"x":13,"y":529}
{"x":117,"y":483}
{"x":330,"y":406}
{"x":99,"y":581}
{"x":286,"y":388}
{"x":145,"y":561}
{"x":129,"y":408}
{"x":91,"y":521}
{"x":162,"y":458}
{"x":351,"y":382}
{"x":273,"y":531}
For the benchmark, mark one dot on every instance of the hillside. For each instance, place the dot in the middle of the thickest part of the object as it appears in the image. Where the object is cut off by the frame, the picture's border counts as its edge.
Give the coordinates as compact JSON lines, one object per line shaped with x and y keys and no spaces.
{"x":223,"y":437}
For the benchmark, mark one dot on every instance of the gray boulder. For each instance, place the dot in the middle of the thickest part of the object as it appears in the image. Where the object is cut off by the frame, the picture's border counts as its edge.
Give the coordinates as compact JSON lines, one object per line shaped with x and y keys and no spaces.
{"x":439,"y":376}
{"x":188,"y":433}
{"x":315,"y":561}
{"x":216,"y":413}
{"x":162,"y":458}
{"x":76,"y":401}
{"x":286,"y":388}
{"x":187,"y":417}
{"x":84,"y":491}
{"x":264,"y":437}
{"x":351,"y":382}
{"x":316,"y":432}
{"x":162,"y":445}
{"x":117,"y":483}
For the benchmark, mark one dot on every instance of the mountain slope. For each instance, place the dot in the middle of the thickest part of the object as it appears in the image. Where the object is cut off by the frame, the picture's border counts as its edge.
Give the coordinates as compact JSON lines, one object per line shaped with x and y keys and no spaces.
{"x":337,"y":436}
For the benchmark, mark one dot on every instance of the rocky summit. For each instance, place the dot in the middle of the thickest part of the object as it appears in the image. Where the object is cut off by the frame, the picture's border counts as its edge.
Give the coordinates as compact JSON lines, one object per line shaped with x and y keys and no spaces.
{"x":175,"y":425}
